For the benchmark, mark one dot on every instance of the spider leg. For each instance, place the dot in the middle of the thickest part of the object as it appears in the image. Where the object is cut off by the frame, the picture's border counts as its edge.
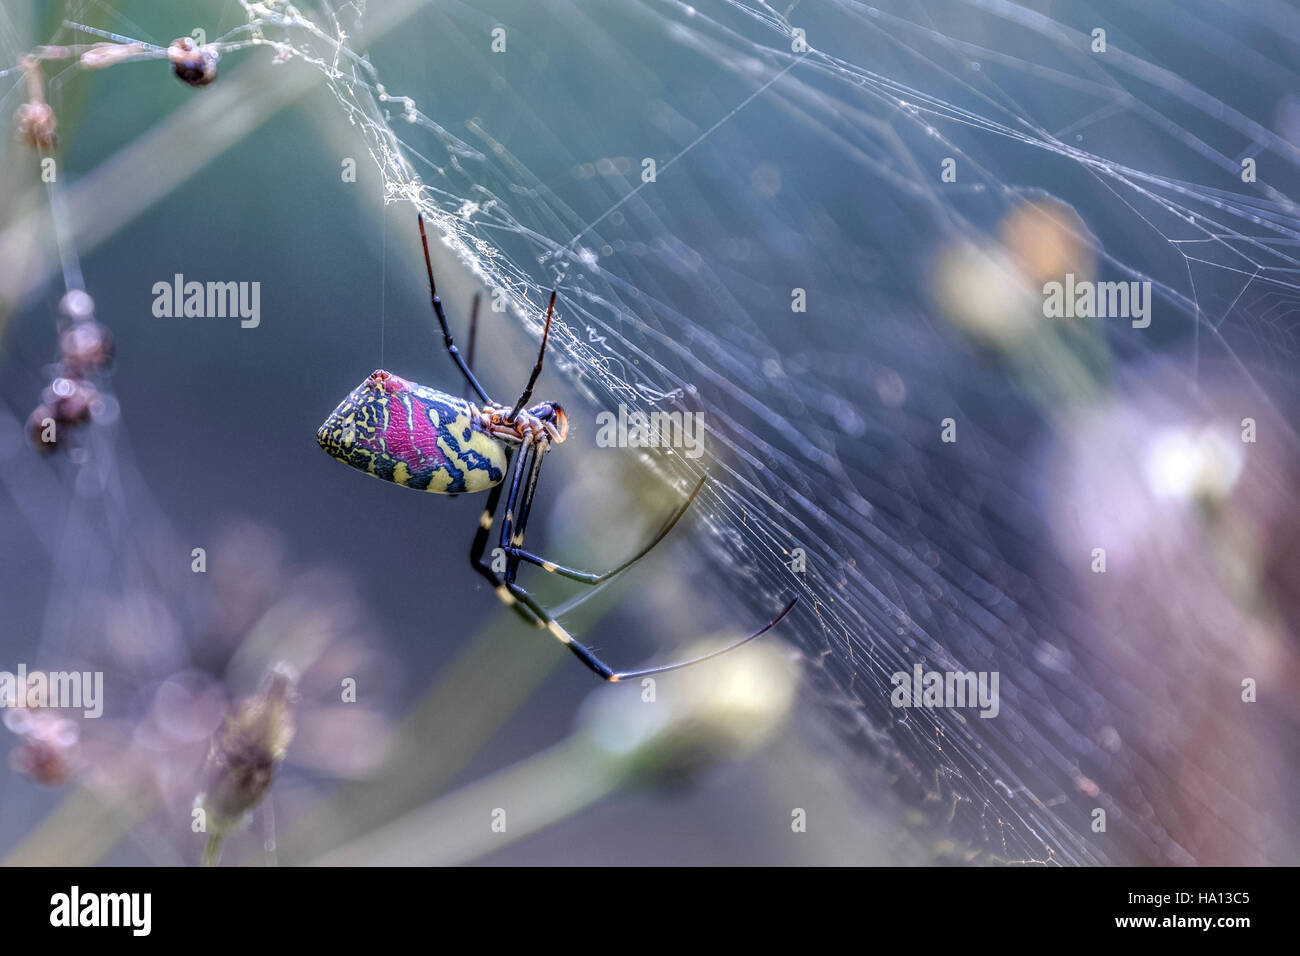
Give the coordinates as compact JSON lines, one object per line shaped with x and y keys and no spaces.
{"x":442,"y":321}
{"x":520,"y":525}
{"x":529,"y":495}
{"x":545,"y":619}
{"x":477,"y":550}
{"x":537,"y":369}
{"x":588,"y":577}
{"x":594,"y":663}
{"x":529,"y":461}
{"x":473,"y":335}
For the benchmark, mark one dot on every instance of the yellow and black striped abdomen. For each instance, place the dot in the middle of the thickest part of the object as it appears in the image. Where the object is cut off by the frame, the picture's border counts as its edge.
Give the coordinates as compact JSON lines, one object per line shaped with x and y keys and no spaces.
{"x":413,"y":436}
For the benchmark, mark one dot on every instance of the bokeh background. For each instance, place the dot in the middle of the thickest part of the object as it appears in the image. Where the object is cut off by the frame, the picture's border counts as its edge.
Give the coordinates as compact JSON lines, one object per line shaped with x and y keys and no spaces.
{"x":780,"y":168}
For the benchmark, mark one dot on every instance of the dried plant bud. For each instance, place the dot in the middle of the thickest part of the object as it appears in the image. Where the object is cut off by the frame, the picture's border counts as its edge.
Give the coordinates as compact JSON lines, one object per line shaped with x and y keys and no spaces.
{"x":1045,"y":240}
{"x":85,"y":348}
{"x":47,"y":752}
{"x":247,"y":749}
{"x":77,"y":305}
{"x":36,"y":126}
{"x":102,"y":55}
{"x":43,"y":762}
{"x":73,"y":401}
{"x":36,"y":121}
{"x":193,"y":64}
{"x":65,"y":403}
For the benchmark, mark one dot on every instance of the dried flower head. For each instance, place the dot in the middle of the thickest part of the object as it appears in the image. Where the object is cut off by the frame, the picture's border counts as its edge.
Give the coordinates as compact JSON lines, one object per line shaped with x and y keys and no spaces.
{"x":193,"y":64}
{"x":85,"y":348}
{"x":77,"y":305}
{"x":47,"y":751}
{"x":35,"y":118}
{"x":36,"y":126}
{"x":102,"y":55}
{"x":1045,"y":240}
{"x":65,"y":403}
{"x":247,"y":749}
{"x":73,"y":401}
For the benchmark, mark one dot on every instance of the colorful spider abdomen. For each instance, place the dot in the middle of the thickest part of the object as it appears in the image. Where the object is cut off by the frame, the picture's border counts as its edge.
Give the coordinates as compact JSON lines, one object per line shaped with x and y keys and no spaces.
{"x":413,"y":436}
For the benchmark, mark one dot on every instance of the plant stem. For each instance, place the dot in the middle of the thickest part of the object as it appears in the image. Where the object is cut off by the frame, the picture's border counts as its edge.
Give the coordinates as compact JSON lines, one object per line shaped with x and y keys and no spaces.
{"x":212,"y":851}
{"x":459,"y":827}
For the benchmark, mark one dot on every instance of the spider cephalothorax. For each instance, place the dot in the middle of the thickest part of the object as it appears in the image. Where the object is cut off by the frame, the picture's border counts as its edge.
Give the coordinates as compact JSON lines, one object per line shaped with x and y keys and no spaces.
{"x":544,"y":422}
{"x":419,"y":437}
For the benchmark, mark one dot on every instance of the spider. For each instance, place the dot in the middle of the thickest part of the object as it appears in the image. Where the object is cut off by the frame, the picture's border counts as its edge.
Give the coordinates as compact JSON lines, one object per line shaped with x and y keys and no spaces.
{"x":419,"y":437}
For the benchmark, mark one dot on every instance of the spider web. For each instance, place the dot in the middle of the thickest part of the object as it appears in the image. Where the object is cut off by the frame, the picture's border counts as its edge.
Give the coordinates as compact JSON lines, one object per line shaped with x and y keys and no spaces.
{"x":780,"y":167}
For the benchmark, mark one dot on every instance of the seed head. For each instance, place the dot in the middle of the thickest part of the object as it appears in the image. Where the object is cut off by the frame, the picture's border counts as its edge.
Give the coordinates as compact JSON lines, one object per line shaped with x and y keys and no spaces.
{"x":193,"y":64}
{"x":85,"y":348}
{"x":247,"y":749}
{"x":36,"y":126}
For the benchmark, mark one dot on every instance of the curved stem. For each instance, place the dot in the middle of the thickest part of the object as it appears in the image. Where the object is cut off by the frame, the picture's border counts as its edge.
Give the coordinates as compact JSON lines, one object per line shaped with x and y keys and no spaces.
{"x":212,"y":851}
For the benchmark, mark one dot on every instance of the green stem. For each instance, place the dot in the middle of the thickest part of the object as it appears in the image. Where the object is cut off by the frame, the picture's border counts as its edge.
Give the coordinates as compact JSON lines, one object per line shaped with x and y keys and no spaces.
{"x":212,"y":851}
{"x":491,"y":813}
